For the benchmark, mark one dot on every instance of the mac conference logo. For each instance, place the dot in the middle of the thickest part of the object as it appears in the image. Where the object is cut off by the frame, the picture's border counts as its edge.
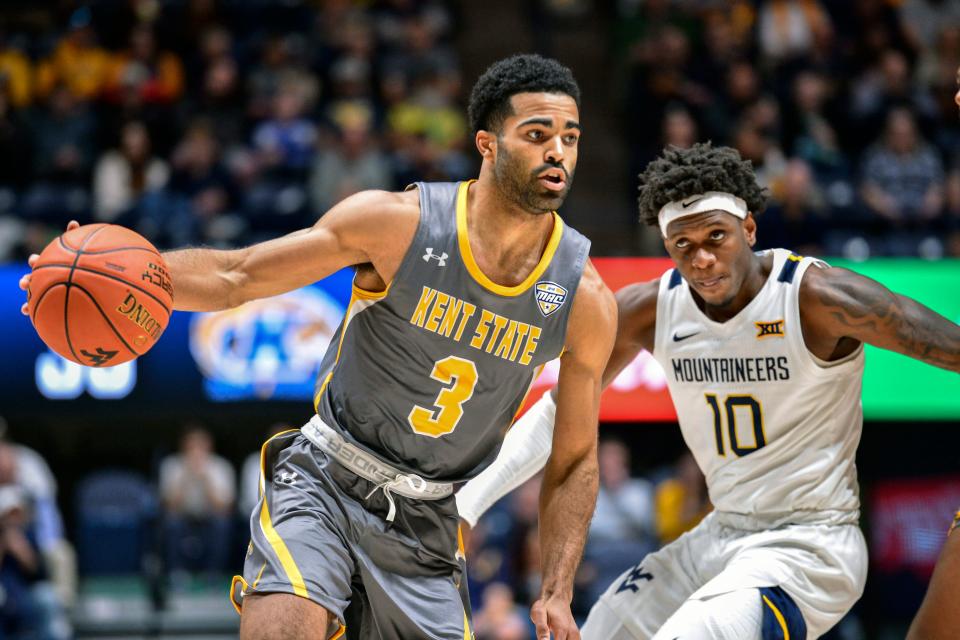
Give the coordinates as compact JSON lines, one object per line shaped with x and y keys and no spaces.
{"x":268,"y":348}
{"x":550,"y":297}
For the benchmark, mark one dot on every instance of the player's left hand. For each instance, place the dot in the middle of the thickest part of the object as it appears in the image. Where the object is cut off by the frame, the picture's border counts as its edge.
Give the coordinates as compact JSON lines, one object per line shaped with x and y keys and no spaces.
{"x":552,"y":615}
{"x":31,"y":262}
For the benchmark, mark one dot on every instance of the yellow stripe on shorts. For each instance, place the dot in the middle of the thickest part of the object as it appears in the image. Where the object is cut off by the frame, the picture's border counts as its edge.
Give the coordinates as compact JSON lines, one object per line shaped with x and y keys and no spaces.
{"x":276,"y":542}
{"x":779,"y":616}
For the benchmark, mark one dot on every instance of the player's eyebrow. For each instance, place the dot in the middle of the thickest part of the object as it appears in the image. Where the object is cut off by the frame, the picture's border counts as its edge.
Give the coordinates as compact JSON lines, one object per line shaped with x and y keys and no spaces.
{"x":547,"y":122}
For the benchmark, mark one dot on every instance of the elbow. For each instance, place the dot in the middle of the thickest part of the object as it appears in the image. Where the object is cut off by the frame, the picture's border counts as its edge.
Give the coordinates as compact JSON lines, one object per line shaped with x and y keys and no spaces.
{"x":235,"y":281}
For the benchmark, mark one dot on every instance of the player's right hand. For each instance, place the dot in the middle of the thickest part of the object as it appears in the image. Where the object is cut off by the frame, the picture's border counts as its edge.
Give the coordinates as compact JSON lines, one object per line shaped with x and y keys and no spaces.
{"x":32,"y":260}
{"x":552,"y":615}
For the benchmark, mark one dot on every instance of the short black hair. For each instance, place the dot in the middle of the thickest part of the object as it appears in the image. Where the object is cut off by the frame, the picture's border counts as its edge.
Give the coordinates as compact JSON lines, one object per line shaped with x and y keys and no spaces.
{"x":680,"y":173}
{"x":490,"y":97}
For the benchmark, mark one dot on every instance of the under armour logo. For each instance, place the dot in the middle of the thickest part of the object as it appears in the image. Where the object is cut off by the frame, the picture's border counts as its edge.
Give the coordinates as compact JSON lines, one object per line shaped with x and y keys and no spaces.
{"x":99,"y":358}
{"x":441,"y":259}
{"x":286,"y":477}
{"x":633,"y":576}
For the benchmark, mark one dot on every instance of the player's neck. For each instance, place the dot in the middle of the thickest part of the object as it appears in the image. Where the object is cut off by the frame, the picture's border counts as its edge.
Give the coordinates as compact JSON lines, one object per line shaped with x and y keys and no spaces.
{"x":500,"y":232}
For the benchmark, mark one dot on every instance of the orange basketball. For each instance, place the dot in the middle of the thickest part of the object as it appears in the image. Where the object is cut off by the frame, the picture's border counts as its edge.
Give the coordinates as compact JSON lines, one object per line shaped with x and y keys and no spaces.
{"x":100,"y":295}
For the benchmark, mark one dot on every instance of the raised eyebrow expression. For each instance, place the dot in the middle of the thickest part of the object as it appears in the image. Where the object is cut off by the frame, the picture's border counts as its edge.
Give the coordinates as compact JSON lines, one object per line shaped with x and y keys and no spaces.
{"x":683,"y":236}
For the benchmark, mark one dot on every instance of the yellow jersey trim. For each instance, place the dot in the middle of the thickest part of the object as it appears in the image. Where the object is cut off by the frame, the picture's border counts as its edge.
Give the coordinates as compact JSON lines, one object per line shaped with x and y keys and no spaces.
{"x":779,"y":617}
{"x":276,"y":542}
{"x":533,"y":381}
{"x":339,"y":634}
{"x":467,"y":634}
{"x":365,"y":294}
{"x":233,"y":589}
{"x":467,"y":254}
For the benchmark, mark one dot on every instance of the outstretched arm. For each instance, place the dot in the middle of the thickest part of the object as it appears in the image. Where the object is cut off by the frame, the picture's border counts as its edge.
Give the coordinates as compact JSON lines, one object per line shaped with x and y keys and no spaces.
{"x":369,"y":227}
{"x":570,"y":482}
{"x":839,"y":304}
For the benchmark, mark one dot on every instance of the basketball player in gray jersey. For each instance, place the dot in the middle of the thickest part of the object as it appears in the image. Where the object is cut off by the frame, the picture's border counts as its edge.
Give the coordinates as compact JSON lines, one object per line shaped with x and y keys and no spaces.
{"x":462,"y":292}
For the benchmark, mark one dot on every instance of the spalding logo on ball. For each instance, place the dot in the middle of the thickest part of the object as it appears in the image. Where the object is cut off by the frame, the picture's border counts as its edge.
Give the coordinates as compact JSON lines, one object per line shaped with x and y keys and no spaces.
{"x":100,"y":295}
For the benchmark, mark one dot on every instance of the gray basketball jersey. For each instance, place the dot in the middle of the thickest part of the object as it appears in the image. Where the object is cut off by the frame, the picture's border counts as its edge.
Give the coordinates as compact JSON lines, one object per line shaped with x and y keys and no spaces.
{"x":429,"y":373}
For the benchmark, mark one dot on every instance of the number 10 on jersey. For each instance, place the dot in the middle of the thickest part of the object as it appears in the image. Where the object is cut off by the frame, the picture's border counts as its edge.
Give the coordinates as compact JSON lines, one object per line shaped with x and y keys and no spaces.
{"x":731,"y":404}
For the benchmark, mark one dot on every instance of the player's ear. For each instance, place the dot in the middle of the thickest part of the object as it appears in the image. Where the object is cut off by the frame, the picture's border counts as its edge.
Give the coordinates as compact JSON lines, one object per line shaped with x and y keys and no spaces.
{"x":750,"y":229}
{"x":486,"y":142}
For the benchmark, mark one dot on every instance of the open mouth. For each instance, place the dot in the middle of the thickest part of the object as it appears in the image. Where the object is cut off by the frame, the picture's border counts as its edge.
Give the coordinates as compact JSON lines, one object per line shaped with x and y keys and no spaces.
{"x":553,"y":179}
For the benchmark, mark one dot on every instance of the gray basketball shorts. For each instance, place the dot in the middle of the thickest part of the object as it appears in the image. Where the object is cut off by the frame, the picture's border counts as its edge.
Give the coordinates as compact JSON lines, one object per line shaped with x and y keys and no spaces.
{"x":314,"y":534}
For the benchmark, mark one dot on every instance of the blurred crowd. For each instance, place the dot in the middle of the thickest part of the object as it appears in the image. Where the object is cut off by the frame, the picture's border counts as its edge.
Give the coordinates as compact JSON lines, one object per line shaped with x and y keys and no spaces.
{"x":229,"y":121}
{"x":846,"y":110}
{"x":205,"y":121}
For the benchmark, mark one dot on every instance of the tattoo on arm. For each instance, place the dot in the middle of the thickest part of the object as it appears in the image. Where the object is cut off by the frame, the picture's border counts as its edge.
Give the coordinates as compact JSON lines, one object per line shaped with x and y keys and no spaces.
{"x":861,"y":308}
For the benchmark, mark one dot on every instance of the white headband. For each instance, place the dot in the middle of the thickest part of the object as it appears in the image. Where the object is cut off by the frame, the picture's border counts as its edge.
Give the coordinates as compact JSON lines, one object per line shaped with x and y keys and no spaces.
{"x":692,"y":205}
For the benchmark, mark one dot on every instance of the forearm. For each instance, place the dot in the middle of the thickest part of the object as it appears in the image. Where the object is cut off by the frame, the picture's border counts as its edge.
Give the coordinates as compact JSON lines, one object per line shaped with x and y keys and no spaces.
{"x":567,"y":500}
{"x":204,"y":279}
{"x":525,"y":450}
{"x":926,"y":335}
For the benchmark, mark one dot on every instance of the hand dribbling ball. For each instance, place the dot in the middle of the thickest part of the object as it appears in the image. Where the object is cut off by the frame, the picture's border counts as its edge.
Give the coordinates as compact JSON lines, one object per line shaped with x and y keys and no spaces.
{"x":100,"y":295}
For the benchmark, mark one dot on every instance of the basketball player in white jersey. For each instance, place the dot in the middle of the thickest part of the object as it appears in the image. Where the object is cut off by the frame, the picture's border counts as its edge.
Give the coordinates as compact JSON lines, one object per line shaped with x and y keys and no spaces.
{"x":763,"y":354}
{"x":939,"y":615}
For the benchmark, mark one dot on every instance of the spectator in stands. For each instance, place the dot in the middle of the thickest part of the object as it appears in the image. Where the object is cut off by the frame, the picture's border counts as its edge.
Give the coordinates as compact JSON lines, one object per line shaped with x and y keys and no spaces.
{"x":15,"y":73}
{"x":38,"y":567}
{"x":15,"y":146}
{"x":123,"y":175}
{"x":681,"y":500}
{"x":760,"y":148}
{"x":220,"y":100}
{"x":281,"y":65}
{"x":64,"y":135}
{"x":622,"y":529}
{"x":791,"y":29}
{"x":810,"y":132}
{"x":193,"y":206}
{"x":903,"y":184}
{"x":887,"y":85}
{"x":20,"y":567}
{"x":285,"y":142}
{"x":78,"y":62}
{"x":197,"y":490}
{"x":795,"y":217}
{"x":352,"y":163}
{"x":499,"y":617}
{"x":144,"y":74}
{"x":923,"y":20}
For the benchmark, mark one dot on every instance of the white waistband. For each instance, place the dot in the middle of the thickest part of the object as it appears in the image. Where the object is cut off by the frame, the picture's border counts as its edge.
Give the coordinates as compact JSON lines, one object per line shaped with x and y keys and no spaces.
{"x":368,"y":466}
{"x":760,"y":522}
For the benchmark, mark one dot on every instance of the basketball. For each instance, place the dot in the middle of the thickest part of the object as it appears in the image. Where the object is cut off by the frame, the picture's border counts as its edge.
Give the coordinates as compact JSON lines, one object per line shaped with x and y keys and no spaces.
{"x":100,"y":295}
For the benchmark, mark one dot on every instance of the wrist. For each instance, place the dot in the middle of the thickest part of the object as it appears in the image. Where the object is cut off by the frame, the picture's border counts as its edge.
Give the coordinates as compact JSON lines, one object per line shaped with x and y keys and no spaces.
{"x":558,"y":593}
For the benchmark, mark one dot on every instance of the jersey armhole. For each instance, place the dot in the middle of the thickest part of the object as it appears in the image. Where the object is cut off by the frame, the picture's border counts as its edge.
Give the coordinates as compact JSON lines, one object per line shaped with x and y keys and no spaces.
{"x":799,"y":344}
{"x":668,"y":281}
{"x":418,"y":237}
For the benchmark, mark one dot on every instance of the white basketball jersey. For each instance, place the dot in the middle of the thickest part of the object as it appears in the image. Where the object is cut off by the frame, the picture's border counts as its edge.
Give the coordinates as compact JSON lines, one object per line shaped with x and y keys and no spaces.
{"x":773,"y":428}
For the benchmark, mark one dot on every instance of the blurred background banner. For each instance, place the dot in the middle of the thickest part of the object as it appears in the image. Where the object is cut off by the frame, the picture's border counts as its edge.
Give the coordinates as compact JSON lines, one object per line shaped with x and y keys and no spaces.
{"x":270,"y":350}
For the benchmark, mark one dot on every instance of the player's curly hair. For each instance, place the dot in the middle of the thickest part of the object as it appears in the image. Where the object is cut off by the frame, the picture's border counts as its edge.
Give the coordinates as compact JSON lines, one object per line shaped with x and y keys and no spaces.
{"x":679,"y":173}
{"x":490,"y":96}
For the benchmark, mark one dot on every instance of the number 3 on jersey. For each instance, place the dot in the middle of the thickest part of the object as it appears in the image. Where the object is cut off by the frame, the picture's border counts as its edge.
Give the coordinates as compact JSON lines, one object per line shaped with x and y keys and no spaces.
{"x":732,"y":403}
{"x":448,"y":410}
